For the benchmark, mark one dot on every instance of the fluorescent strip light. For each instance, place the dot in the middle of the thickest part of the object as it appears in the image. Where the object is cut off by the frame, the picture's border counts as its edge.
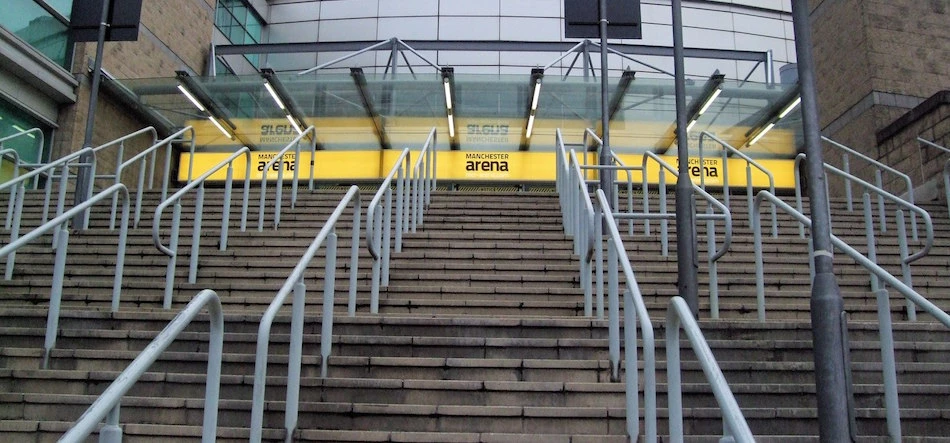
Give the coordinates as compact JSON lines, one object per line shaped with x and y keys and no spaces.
{"x":451,"y":126}
{"x":709,"y":101}
{"x":220,"y":128}
{"x":537,"y":94}
{"x":274,"y":95}
{"x":18,"y":128}
{"x":791,"y":107}
{"x":294,"y":124}
{"x":761,"y":134}
{"x":527,"y":133}
{"x":690,"y":125}
{"x":448,"y":94}
{"x":191,"y":97}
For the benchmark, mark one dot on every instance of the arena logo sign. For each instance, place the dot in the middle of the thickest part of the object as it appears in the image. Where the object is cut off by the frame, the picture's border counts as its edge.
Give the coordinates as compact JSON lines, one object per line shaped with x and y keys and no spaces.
{"x":479,"y":163}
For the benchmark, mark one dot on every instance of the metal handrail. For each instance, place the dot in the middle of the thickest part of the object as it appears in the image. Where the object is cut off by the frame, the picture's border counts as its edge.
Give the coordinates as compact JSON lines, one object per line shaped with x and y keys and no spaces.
{"x":423,"y":176}
{"x":906,"y":258}
{"x":946,"y":168}
{"x":578,"y":216}
{"x":635,"y":313}
{"x":41,"y":143}
{"x":47,"y":169}
{"x":15,"y":156}
{"x":679,"y":316}
{"x":278,"y":157}
{"x":172,"y":249}
{"x":378,"y":245}
{"x":878,"y":178}
{"x":618,"y":165}
{"x":107,"y":405}
{"x":153,"y":150}
{"x":295,"y":284}
{"x":713,"y":254}
{"x":59,"y":262}
{"x":749,"y":163}
{"x":883,"y":302}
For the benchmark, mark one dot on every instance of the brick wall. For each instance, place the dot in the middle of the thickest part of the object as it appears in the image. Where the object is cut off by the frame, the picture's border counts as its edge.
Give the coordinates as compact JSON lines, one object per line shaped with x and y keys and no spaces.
{"x":875,"y":61}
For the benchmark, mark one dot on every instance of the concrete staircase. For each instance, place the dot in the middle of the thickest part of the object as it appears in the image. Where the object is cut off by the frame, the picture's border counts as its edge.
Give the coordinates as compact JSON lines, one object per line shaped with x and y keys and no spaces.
{"x":480,"y":337}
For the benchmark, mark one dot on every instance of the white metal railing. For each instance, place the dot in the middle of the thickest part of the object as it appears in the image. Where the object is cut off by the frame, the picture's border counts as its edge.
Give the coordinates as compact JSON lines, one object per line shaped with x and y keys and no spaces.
{"x":879,"y":170}
{"x":578,"y":214}
{"x":142,"y":160}
{"x":19,"y":183}
{"x":946,"y":168}
{"x":295,"y":284}
{"x":172,"y":249}
{"x":883,"y":301}
{"x":106,"y":407}
{"x":882,"y":196}
{"x":678,"y":316}
{"x":714,"y":253}
{"x":616,"y":165}
{"x":379,"y":219}
{"x":60,"y":224}
{"x":635,"y":314}
{"x":35,"y":133}
{"x":750,"y":163}
{"x":278,"y":161}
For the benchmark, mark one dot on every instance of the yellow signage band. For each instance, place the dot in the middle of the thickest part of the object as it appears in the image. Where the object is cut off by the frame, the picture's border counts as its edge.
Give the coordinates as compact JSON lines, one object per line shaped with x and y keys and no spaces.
{"x":360,"y":165}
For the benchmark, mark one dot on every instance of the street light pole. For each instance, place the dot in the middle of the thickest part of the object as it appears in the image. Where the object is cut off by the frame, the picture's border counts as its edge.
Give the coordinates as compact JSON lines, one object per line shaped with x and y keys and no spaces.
{"x":829,"y":328}
{"x":686,"y":246}
{"x":606,"y":175}
{"x":84,"y":172}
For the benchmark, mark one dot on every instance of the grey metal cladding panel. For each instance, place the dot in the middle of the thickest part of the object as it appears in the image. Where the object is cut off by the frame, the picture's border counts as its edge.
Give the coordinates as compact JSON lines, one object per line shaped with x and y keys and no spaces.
{"x":349,"y":30}
{"x":408,"y":8}
{"x":489,"y":8}
{"x":469,"y":28}
{"x":294,"y":12}
{"x":531,"y":29}
{"x":409,"y":28}
{"x":294,"y":32}
{"x":532,"y":8}
{"x":347,"y":9}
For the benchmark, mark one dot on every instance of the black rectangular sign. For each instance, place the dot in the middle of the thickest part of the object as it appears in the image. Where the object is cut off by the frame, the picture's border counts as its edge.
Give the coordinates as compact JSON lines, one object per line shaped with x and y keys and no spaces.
{"x":582,"y":19}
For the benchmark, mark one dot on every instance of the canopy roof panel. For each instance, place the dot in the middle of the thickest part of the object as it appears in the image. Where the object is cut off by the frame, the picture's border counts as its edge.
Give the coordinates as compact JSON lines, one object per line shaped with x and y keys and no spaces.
{"x":359,"y":110}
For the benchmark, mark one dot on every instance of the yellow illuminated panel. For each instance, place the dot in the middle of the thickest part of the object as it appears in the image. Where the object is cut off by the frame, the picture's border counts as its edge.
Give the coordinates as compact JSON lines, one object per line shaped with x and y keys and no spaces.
{"x":477,"y":166}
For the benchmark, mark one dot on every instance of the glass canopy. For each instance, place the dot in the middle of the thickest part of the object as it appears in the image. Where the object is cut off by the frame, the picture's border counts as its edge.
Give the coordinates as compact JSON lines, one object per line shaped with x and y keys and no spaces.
{"x":357,"y":111}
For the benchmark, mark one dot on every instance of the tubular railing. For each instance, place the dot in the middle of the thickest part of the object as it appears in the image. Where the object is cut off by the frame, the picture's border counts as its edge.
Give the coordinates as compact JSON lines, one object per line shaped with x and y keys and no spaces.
{"x":295,"y":283}
{"x":617,"y":165}
{"x":713,"y":254}
{"x":107,"y":405}
{"x":11,"y":201}
{"x":578,"y":214}
{"x":172,"y":249}
{"x":278,"y":161}
{"x":116,"y":176}
{"x":48,"y":170}
{"x":379,"y":219}
{"x":946,"y":168}
{"x":882,"y":196}
{"x":60,"y":224}
{"x":879,"y":170}
{"x":10,"y":152}
{"x":635,"y":314}
{"x":750,"y":163}
{"x":883,"y":301}
{"x":143,"y":161}
{"x":735,"y":429}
